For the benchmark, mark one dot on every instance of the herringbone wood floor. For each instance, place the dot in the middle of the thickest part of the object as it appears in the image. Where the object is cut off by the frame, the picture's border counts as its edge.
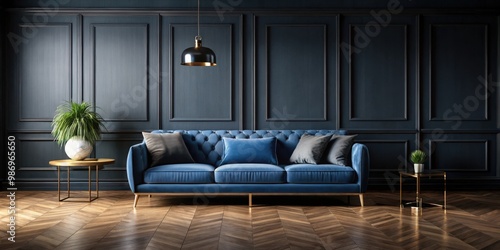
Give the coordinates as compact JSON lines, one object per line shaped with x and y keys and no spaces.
{"x":472,"y":221}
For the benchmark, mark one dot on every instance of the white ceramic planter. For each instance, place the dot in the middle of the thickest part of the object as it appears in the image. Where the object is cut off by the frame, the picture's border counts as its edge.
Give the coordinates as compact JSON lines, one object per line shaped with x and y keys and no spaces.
{"x":78,"y":149}
{"x":419,"y":168}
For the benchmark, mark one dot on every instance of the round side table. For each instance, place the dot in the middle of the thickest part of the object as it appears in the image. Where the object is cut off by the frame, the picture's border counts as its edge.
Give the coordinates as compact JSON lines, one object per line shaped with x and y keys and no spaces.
{"x":89,"y":163}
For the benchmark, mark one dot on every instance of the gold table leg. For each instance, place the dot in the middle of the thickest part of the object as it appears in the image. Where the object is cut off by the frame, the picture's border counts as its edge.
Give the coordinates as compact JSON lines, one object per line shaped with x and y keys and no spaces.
{"x":90,"y":188}
{"x":69,"y":182}
{"x":97,"y":180}
{"x":418,"y":191}
{"x":444,"y":180}
{"x":59,"y":183}
{"x":401,"y":190}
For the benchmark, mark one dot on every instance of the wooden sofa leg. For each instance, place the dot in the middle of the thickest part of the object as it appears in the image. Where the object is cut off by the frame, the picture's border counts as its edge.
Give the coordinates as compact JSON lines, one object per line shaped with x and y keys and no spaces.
{"x":249,"y":200}
{"x":136,"y":199}
{"x":361,"y":200}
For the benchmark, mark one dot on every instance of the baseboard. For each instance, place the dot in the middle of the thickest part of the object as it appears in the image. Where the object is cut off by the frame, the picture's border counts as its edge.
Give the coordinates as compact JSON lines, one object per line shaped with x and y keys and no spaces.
{"x":75,"y":186}
{"x":435,"y":184}
{"x":373,"y":185}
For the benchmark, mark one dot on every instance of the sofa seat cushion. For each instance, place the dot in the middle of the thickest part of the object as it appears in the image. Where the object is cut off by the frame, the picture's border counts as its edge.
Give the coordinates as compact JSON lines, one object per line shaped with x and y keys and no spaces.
{"x":180,"y":173}
{"x":250,"y":173}
{"x":322,"y":173}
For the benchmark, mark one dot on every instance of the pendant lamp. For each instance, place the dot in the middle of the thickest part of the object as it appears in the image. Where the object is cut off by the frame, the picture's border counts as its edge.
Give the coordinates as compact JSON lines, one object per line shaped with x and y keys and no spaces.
{"x":198,"y":55}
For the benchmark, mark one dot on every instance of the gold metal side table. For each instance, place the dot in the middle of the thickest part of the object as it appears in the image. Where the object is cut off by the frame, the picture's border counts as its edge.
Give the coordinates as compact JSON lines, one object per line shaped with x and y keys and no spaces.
{"x":89,"y":163}
{"x":418,"y":177}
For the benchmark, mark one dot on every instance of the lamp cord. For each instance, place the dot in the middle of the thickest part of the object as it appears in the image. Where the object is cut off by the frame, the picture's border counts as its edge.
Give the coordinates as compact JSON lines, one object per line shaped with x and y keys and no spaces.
{"x":198,"y":18}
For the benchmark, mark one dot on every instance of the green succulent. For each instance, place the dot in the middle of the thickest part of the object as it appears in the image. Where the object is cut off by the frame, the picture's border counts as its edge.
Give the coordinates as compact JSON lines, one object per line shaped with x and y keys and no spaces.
{"x":418,"y":156}
{"x":76,"y":119}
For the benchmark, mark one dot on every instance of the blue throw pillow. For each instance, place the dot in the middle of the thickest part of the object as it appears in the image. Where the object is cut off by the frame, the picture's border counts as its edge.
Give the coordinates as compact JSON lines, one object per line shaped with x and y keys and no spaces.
{"x":249,"y":151}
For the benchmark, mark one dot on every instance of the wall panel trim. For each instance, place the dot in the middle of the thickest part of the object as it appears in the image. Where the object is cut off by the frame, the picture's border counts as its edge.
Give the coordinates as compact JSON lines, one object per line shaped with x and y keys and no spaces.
{"x":47,"y":167}
{"x":93,"y":27}
{"x":432,"y":116}
{"x":325,"y":72}
{"x":485,"y":168}
{"x":406,"y":148}
{"x":350,"y":76}
{"x":69,"y":27}
{"x":231,"y":75}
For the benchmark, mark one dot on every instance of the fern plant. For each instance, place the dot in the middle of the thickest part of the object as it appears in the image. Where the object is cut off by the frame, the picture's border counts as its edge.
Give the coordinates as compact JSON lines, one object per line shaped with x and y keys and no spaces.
{"x":418,"y":157}
{"x":76,"y":119}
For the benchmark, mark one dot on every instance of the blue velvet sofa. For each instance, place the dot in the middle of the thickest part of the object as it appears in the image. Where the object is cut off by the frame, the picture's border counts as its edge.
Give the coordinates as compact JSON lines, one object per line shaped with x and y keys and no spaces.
{"x":205,"y":176}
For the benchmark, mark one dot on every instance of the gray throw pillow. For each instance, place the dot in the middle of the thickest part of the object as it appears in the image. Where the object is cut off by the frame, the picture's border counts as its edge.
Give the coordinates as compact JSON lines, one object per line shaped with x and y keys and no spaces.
{"x":167,"y":148}
{"x":310,"y":149}
{"x":338,"y":151}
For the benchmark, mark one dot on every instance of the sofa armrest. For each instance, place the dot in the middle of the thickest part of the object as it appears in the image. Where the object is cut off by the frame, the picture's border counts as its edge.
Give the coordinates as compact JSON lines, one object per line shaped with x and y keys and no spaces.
{"x":137,"y":163}
{"x":361,"y":163}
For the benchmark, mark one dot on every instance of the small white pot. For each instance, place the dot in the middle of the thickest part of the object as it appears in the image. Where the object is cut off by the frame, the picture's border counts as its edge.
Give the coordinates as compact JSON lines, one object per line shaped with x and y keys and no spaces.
{"x":419,"y":168}
{"x":78,"y":149}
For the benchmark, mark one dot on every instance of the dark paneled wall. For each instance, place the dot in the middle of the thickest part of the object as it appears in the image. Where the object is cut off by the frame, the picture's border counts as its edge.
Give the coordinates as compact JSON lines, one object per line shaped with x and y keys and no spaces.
{"x":3,"y":158}
{"x":399,"y":77}
{"x":230,"y":5}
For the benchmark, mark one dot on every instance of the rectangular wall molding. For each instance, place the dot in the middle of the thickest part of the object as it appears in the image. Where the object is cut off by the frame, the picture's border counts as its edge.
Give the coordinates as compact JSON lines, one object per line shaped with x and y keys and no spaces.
{"x":399,"y":152}
{"x":307,"y":101}
{"x":295,"y":85}
{"x":377,"y":73}
{"x":461,"y":64}
{"x":460,"y":155}
{"x":113,"y":44}
{"x":192,"y":96}
{"x":41,"y":68}
{"x":460,"y":54}
{"x":53,"y":80}
{"x":121,"y":76}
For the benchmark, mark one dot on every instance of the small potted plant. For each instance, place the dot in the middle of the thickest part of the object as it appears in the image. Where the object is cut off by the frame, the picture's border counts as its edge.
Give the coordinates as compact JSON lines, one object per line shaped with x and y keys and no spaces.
{"x":418,"y":158}
{"x":78,"y":127}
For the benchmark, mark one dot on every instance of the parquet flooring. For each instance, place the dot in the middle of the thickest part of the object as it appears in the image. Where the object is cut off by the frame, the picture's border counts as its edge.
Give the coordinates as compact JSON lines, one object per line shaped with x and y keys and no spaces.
{"x":472,"y":221}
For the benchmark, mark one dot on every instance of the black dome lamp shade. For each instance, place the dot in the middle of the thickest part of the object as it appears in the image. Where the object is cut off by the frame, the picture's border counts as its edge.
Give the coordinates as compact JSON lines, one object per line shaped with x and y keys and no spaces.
{"x":198,"y":55}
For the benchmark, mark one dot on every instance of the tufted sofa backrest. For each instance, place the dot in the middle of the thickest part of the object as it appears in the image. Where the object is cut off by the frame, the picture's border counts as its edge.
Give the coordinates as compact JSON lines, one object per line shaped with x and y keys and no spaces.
{"x":206,"y":146}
